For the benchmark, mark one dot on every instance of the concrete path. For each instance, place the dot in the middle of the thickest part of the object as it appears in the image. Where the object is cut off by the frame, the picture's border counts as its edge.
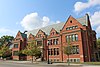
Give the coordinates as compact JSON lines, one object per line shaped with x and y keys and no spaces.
{"x":54,"y":64}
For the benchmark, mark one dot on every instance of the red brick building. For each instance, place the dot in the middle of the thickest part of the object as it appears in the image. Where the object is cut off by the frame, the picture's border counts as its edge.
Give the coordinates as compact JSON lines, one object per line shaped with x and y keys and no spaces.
{"x":19,"y":43}
{"x":56,"y":36}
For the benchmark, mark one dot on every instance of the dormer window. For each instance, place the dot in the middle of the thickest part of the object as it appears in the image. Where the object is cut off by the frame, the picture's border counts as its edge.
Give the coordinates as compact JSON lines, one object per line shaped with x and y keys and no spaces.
{"x":39,"y":35}
{"x":53,"y":33}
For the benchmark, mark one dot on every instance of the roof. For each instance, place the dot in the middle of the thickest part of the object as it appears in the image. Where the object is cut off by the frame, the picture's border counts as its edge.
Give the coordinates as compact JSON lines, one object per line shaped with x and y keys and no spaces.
{"x":59,"y":26}
{"x":83,"y":20}
{"x":47,"y":29}
{"x":23,"y":35}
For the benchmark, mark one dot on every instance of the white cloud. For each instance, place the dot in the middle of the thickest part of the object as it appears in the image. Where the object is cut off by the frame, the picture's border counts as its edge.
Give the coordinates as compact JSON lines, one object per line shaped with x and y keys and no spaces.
{"x":5,"y":31}
{"x":46,"y":20}
{"x":57,"y":21}
{"x":95,"y":18}
{"x":98,"y":30}
{"x":34,"y":21}
{"x":31,"y":21}
{"x":95,"y":21}
{"x":79,"y":6}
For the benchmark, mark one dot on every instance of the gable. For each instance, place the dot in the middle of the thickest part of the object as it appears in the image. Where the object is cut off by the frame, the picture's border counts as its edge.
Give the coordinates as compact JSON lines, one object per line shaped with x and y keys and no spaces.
{"x":31,"y":37}
{"x":18,"y":36}
{"x":40,"y":33}
{"x":47,"y":29}
{"x":71,"y":23}
{"x":53,"y":31}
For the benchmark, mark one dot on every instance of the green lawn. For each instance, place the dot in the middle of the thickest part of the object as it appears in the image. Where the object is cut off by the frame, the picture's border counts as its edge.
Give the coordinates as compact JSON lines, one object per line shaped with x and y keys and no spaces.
{"x":92,"y":63}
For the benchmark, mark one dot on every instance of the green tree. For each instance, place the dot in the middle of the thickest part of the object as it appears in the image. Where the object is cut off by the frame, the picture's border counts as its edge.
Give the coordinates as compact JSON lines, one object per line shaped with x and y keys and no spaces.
{"x":4,"y":51}
{"x":32,"y":50}
{"x":6,"y":40}
{"x":68,"y":51}
{"x":98,"y":42}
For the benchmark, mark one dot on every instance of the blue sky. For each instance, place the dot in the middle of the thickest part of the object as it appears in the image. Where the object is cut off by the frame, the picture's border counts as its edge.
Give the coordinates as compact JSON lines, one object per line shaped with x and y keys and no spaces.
{"x":23,"y":15}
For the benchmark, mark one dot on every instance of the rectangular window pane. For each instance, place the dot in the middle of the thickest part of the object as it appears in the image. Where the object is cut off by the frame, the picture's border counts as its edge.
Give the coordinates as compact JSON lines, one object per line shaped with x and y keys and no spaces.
{"x":67,"y":38}
{"x":54,"y":51}
{"x":15,"y":45}
{"x":39,"y":43}
{"x":57,"y":51}
{"x":76,"y":37}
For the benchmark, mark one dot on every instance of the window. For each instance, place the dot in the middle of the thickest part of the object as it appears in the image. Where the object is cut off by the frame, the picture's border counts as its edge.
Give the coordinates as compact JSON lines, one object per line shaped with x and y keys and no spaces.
{"x":15,"y":53}
{"x":74,"y":60}
{"x":78,"y":60}
{"x":54,"y":60}
{"x":57,"y":51}
{"x":51,"y":51}
{"x":39,"y":35}
{"x":67,"y":28}
{"x":76,"y":37}
{"x":39,"y":43}
{"x":71,"y":27}
{"x":54,"y":51}
{"x":70,"y":38}
{"x":57,"y":60}
{"x":48,"y":42}
{"x":51,"y":42}
{"x":73,"y":37}
{"x":15,"y":45}
{"x":56,"y":41}
{"x":76,"y":26}
{"x":75,"y":49}
{"x":70,"y":21}
{"x":53,"y":33}
{"x":67,"y":38}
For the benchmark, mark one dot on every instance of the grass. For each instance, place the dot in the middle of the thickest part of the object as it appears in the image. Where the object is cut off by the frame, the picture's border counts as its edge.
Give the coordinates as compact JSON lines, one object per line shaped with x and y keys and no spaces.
{"x":92,"y":63}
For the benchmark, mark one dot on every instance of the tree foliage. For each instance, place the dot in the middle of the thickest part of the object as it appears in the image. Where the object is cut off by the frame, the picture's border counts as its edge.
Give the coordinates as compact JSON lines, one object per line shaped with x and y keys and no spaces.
{"x":6,"y":40}
{"x":32,"y":50}
{"x":98,"y":42}
{"x":4,"y":51}
{"x":68,"y":51}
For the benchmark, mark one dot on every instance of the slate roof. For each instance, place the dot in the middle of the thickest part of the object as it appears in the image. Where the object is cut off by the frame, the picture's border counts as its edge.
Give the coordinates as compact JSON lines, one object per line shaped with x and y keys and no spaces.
{"x":47,"y":29}
{"x":23,"y":35}
{"x":58,"y":26}
{"x":83,"y":20}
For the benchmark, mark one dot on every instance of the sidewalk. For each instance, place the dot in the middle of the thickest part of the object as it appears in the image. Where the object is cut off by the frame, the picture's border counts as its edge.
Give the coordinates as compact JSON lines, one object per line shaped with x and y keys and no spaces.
{"x":40,"y":63}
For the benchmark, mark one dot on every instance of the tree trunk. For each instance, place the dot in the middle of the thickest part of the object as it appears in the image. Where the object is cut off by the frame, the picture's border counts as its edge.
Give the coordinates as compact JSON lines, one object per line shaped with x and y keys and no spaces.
{"x":68,"y":61}
{"x":32,"y":59}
